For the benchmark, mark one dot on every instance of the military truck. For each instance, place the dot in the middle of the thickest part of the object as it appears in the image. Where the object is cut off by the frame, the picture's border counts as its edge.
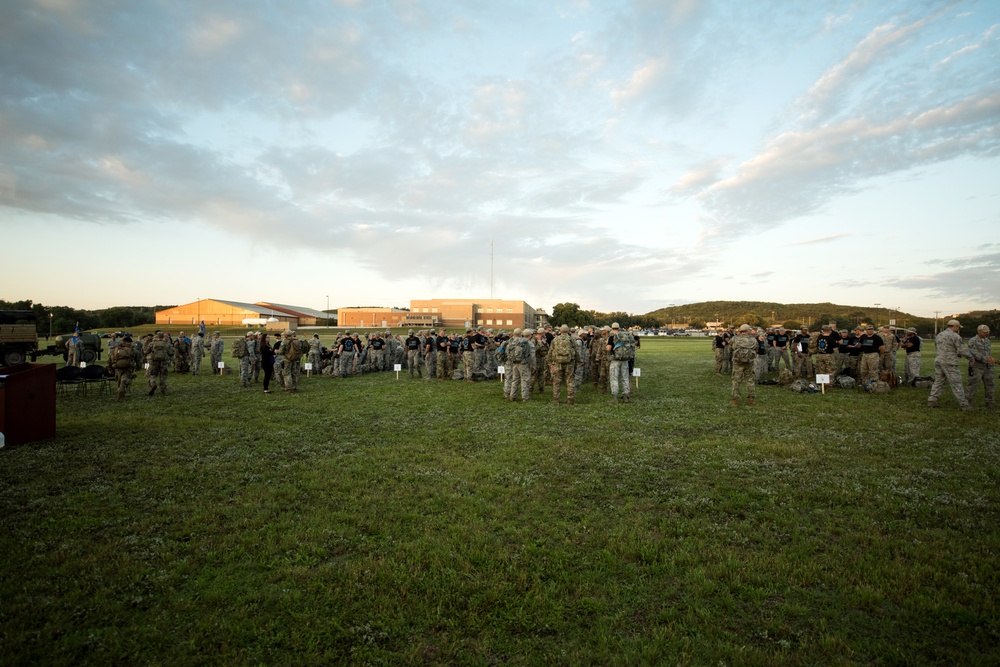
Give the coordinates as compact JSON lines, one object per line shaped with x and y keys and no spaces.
{"x":19,"y":340}
{"x":18,"y":337}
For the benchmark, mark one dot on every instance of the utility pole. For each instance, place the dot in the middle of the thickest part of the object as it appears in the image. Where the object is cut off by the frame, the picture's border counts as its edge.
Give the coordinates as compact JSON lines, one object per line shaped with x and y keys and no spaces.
{"x":876,"y":314}
{"x":491,"y":269}
{"x":936,"y":313}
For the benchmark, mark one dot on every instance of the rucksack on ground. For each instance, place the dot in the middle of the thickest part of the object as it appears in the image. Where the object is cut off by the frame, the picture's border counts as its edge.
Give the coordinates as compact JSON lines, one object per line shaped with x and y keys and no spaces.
{"x":922,"y":382}
{"x":890,"y":378}
{"x":845,"y":382}
{"x":784,"y":377}
{"x":239,"y":348}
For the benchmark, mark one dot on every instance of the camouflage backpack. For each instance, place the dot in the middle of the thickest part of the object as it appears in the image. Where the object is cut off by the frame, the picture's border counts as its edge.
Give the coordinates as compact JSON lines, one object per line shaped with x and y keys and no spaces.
{"x":744,"y":353}
{"x":239,"y":348}
{"x":517,"y":350}
{"x":123,"y":359}
{"x":290,"y":350}
{"x":845,"y":382}
{"x":561,"y":349}
{"x":623,"y":346}
{"x":813,"y":346}
{"x":159,"y":350}
{"x":784,"y":377}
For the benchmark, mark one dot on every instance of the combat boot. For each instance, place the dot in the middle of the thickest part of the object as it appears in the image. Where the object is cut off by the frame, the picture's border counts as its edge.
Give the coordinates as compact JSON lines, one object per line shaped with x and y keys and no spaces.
{"x":750,"y":401}
{"x":735,"y":401}
{"x":152,"y":391}
{"x":933,"y":404}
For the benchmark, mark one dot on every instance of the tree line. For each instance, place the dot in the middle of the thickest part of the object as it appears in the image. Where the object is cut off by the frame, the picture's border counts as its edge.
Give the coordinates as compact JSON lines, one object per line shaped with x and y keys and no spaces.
{"x":64,"y":318}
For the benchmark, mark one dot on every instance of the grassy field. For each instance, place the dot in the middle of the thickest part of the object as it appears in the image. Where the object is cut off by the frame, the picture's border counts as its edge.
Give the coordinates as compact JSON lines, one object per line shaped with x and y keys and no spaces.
{"x":376,"y":521}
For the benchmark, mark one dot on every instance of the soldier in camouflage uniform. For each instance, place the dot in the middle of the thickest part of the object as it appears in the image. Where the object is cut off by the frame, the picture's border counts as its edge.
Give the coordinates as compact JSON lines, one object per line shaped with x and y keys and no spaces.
{"x":887,"y":361}
{"x":443,"y":356}
{"x":580,"y":340}
{"x":246,"y":362}
{"x":540,"y":367}
{"x":981,"y":366}
{"x":197,"y":353}
{"x":255,"y":362}
{"x":519,"y":356}
{"x":412,"y":345}
{"x":182,"y":354}
{"x":911,"y":364}
{"x":430,"y":355}
{"x":158,"y":354}
{"x":561,"y":359}
{"x":744,"y":347}
{"x":949,"y":347}
{"x":316,"y":354}
{"x":290,"y":352}
{"x":601,"y":359}
{"x":124,"y":359}
{"x":216,"y":348}
{"x":346,"y":351}
{"x":621,"y":385}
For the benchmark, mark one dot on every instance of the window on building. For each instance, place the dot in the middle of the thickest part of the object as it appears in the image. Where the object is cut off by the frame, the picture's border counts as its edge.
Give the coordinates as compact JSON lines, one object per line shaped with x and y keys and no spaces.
{"x":510,"y":322}
{"x":434,"y":309}
{"x":424,"y":310}
{"x":489,"y":323}
{"x":510,"y":310}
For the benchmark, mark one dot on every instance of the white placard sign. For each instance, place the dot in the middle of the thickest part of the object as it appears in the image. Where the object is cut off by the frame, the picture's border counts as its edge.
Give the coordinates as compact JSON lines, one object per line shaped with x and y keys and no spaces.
{"x":146,"y":366}
{"x":222,"y":365}
{"x":636,"y":372}
{"x":823,"y":379}
{"x":501,"y":370}
{"x":308,"y":366}
{"x":83,"y":364}
{"x":397,"y":367}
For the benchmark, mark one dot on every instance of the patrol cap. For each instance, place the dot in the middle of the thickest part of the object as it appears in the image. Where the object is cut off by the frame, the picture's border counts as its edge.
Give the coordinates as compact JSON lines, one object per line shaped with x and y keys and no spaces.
{"x":954,"y":323}
{"x":827,"y":327}
{"x":528,"y":331}
{"x":614,"y":325}
{"x":911,"y":330}
{"x":287,"y":333}
{"x":982,"y":327}
{"x":127,"y":339}
{"x":564,"y":328}
{"x":869,"y":327}
{"x":517,"y":331}
{"x":744,"y":327}
{"x":411,"y":332}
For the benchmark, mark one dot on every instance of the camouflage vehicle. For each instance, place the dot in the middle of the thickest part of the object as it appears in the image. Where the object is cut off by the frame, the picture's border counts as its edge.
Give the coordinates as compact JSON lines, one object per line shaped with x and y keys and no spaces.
{"x":19,"y":340}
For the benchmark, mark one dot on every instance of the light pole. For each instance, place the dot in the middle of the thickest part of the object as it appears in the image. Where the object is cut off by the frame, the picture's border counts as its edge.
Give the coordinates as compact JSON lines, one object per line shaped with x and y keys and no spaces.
{"x":876,"y":313}
{"x":50,"y":325}
{"x":327,"y":310}
{"x":936,"y":312}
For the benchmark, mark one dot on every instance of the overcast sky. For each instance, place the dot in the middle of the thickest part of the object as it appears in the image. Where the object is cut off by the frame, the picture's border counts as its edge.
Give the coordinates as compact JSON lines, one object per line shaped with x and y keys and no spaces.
{"x":620,"y":155}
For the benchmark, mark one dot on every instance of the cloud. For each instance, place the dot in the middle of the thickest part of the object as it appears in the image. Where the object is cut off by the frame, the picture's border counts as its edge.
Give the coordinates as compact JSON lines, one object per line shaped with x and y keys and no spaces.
{"x":975,"y":278}
{"x":822,"y":239}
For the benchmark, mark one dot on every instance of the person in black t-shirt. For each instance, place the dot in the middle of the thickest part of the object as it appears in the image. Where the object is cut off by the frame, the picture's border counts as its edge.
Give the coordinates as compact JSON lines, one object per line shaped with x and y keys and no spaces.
{"x":346,"y":351}
{"x":444,"y":360}
{"x":824,"y":360}
{"x":871,"y":351}
{"x":412,"y":345}
{"x":911,"y":344}
{"x":719,"y":348}
{"x":781,"y":342}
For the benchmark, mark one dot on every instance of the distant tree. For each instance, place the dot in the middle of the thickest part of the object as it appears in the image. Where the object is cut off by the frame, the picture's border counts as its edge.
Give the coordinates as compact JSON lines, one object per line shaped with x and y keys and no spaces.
{"x":792,"y":325}
{"x":696,"y":324}
{"x":566,"y":313}
{"x":753,"y":319}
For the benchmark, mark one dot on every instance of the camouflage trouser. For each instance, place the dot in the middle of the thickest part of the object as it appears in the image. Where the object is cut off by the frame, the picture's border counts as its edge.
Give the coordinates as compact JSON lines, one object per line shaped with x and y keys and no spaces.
{"x":888,"y":362}
{"x":157,"y":374}
{"x":803,"y":365}
{"x":539,"y":373}
{"x":377,"y":360}
{"x":430,"y":365}
{"x":760,"y":368}
{"x":196,"y":362}
{"x":602,"y":373}
{"x":413,"y":362}
{"x":869,"y":369}
{"x":949,"y":373}
{"x":346,"y":363}
{"x":720,"y":354}
{"x":124,"y":378}
{"x":292,"y":371}
{"x":563,"y":373}
{"x":727,"y":360}
{"x":255,"y":369}
{"x":772,"y":359}
{"x":278,"y":371}
{"x":911,"y":367}
{"x":781,"y":354}
{"x":468,"y":366}
{"x":853,"y":364}
{"x":619,"y":380}
{"x":823,"y":365}
{"x":245,"y":366}
{"x":519,"y":376}
{"x":479,"y":360}
{"x":316,"y":359}
{"x":984,"y":374}
{"x":216,"y":360}
{"x":444,"y":366}
{"x":579,"y":373}
{"x":73,"y":358}
{"x":743,"y":374}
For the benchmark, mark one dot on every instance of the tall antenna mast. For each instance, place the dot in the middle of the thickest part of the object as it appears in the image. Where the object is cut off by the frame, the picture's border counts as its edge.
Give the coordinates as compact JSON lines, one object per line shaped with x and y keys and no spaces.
{"x":491,"y":269}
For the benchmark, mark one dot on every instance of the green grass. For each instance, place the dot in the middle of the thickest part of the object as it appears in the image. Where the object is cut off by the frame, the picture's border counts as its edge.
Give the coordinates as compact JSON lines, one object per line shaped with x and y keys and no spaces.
{"x":375,"y":521}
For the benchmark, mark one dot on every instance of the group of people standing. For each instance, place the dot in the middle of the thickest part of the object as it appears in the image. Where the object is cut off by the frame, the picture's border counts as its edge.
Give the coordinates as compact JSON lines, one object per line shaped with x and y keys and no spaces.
{"x":862,"y":354}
